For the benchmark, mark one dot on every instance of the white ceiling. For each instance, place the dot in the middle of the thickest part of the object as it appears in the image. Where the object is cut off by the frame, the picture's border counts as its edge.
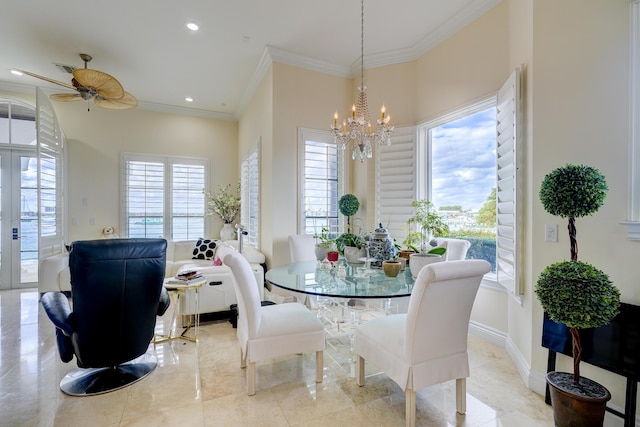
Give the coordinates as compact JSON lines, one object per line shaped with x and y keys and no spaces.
{"x":146,"y":46}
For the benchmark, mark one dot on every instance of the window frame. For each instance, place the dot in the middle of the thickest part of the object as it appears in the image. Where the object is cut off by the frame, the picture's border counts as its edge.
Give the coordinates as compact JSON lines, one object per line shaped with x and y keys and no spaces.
{"x":424,"y":155}
{"x":318,"y":136}
{"x":633,"y":216}
{"x":250,"y":195}
{"x":168,"y":214}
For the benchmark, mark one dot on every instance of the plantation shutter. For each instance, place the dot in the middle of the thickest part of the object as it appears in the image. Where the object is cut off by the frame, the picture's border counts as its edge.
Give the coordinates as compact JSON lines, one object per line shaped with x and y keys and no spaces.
{"x":144,"y":198}
{"x":50,"y":154}
{"x":396,"y":182}
{"x":321,"y":178}
{"x":250,"y":196}
{"x":163,"y":197}
{"x":508,"y":130}
{"x":187,"y":200}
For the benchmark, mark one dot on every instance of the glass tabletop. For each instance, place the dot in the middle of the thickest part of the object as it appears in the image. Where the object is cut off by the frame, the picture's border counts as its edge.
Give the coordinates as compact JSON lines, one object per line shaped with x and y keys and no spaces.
{"x":308,"y":277}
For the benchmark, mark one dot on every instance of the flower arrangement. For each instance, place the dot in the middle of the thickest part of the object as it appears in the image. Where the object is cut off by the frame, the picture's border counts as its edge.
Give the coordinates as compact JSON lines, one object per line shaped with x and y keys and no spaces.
{"x":223,"y":204}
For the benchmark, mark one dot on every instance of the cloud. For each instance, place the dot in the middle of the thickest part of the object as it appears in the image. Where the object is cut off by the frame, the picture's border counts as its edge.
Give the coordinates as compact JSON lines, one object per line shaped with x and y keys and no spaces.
{"x":464,"y":161}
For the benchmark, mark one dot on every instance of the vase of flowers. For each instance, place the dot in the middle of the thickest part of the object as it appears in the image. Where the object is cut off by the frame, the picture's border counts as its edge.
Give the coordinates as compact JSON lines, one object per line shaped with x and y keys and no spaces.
{"x":226,"y":206}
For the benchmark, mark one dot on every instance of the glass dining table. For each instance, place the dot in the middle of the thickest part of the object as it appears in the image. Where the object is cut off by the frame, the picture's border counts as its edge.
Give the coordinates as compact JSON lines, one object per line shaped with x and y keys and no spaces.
{"x":348,"y":281}
{"x":344,"y":297}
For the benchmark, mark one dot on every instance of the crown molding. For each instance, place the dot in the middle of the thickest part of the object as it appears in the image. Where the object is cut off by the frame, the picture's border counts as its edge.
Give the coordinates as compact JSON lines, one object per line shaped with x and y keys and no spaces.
{"x":17,"y":88}
{"x":173,"y":109}
{"x":289,"y":58}
{"x":259,"y":73}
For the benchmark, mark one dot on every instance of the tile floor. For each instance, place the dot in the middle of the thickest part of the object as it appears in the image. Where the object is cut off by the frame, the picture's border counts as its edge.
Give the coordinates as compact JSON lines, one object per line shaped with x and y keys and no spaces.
{"x":202,"y":385}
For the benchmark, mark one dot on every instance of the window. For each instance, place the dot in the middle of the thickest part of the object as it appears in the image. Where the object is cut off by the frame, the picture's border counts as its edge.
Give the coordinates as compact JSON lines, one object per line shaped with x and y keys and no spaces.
{"x":457,"y":173}
{"x":17,"y":123}
{"x":250,"y":195}
{"x":163,"y":197}
{"x":321,"y":172}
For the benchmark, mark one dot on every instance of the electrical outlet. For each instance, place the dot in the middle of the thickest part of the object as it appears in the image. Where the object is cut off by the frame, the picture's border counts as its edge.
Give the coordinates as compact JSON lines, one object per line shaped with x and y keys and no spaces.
{"x":551,"y":233}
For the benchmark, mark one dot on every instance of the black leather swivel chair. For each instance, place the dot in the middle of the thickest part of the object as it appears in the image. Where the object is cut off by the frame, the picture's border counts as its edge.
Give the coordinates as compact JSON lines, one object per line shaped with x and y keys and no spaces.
{"x":117,"y":292}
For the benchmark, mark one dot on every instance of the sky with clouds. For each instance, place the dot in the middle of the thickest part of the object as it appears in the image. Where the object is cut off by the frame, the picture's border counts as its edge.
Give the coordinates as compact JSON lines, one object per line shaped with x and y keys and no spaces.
{"x":464,"y":161}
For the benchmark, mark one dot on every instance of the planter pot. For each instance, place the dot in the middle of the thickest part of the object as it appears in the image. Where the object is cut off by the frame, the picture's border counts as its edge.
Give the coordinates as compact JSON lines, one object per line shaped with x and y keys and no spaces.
{"x":227,"y":232}
{"x":353,"y":254}
{"x":577,"y":405}
{"x":321,"y":252}
{"x":405,"y":253}
{"x":333,"y":256}
{"x":418,"y":261}
{"x":391,"y":268}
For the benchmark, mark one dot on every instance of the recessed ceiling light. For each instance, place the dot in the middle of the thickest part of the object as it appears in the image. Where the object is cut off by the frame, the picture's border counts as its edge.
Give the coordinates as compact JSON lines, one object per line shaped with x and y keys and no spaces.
{"x":188,"y":99}
{"x":16,"y":72}
{"x":192,"y":26}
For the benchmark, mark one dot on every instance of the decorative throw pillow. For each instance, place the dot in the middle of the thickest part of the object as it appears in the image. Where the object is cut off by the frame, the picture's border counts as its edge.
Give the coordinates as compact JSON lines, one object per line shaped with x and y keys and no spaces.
{"x":205,"y":249}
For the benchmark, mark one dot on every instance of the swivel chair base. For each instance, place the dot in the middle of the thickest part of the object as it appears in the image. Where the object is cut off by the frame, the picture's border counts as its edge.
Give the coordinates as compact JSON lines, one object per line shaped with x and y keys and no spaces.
{"x":88,"y":382}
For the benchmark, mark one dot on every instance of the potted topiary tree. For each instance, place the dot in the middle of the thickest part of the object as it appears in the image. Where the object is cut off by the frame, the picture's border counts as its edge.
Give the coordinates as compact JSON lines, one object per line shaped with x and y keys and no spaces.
{"x":576,"y":294}
{"x":350,"y":244}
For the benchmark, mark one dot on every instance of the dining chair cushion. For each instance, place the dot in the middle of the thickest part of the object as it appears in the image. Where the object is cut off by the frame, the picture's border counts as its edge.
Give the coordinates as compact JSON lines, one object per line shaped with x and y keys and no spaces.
{"x":288,"y":328}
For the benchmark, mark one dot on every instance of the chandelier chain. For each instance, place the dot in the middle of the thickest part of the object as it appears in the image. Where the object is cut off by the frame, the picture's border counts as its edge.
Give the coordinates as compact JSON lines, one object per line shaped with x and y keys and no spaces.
{"x":362,"y":43}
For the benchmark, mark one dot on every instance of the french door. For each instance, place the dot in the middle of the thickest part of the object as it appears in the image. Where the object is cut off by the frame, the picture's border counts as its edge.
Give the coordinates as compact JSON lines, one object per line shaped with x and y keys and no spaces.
{"x":18,"y":218}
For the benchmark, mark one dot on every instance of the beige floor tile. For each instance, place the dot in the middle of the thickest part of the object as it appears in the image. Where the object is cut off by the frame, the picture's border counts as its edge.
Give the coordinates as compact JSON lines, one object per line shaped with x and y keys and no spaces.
{"x":203,"y":385}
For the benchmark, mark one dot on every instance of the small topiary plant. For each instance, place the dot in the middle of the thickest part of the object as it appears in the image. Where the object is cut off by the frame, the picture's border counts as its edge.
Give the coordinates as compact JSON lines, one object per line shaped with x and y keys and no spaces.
{"x":572,"y":292}
{"x":348,"y":205}
{"x":571,"y":192}
{"x":580,"y":296}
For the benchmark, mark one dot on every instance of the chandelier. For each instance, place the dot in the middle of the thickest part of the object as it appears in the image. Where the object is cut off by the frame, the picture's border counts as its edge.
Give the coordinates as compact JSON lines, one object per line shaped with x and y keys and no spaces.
{"x":356,"y":132}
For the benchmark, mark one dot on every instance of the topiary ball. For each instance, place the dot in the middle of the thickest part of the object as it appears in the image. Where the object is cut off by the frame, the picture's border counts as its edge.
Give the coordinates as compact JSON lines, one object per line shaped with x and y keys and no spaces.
{"x":577,"y":294}
{"x":348,"y":205}
{"x":573,"y":191}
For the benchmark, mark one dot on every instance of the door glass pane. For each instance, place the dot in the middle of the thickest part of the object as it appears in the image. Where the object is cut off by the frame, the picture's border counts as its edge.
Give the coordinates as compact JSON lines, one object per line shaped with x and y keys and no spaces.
{"x":28,"y":220}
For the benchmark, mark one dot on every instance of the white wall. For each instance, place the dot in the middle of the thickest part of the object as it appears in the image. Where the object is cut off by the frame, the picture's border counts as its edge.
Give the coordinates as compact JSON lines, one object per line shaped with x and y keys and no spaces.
{"x":98,"y":137}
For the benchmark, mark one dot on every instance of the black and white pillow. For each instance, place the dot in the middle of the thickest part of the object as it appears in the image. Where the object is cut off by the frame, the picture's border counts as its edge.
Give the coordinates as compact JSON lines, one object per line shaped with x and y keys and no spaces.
{"x":205,"y":249}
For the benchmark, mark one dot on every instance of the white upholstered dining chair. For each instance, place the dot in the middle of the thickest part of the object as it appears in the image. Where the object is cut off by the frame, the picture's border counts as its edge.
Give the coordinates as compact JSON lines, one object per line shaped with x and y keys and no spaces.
{"x":302,"y":247}
{"x":456,"y":248}
{"x":273,"y":330}
{"x":428,"y":344}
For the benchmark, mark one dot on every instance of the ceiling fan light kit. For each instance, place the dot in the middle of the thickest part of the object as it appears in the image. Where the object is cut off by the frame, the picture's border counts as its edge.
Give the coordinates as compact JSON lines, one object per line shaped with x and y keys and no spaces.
{"x":105,"y":90}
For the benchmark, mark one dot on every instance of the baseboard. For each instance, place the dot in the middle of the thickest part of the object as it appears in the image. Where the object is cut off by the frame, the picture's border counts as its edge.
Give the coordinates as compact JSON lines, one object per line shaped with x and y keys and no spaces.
{"x":534,"y":380}
{"x":488,"y":334}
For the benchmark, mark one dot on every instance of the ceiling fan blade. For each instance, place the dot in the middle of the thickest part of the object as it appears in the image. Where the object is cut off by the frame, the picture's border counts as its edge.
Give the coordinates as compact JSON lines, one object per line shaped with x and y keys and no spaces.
{"x":103,"y":84}
{"x":124,"y":103}
{"x":66,"y":97}
{"x":47,"y":79}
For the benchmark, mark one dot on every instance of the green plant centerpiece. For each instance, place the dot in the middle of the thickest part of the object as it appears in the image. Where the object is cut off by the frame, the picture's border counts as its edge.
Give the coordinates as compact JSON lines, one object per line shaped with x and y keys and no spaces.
{"x":573,"y":292}
{"x":429,"y":224}
{"x":426,"y":224}
{"x":349,"y":240}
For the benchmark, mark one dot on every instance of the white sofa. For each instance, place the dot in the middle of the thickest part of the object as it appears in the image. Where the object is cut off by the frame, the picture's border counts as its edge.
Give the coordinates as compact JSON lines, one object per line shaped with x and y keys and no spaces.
{"x":216,"y":295}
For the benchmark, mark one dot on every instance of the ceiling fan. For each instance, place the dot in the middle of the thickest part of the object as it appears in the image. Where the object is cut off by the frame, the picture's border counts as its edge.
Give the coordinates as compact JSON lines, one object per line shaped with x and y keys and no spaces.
{"x":105,"y":90}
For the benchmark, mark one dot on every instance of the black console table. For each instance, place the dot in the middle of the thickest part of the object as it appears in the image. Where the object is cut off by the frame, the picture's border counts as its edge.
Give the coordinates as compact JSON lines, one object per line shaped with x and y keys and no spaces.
{"x":614,"y":347}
